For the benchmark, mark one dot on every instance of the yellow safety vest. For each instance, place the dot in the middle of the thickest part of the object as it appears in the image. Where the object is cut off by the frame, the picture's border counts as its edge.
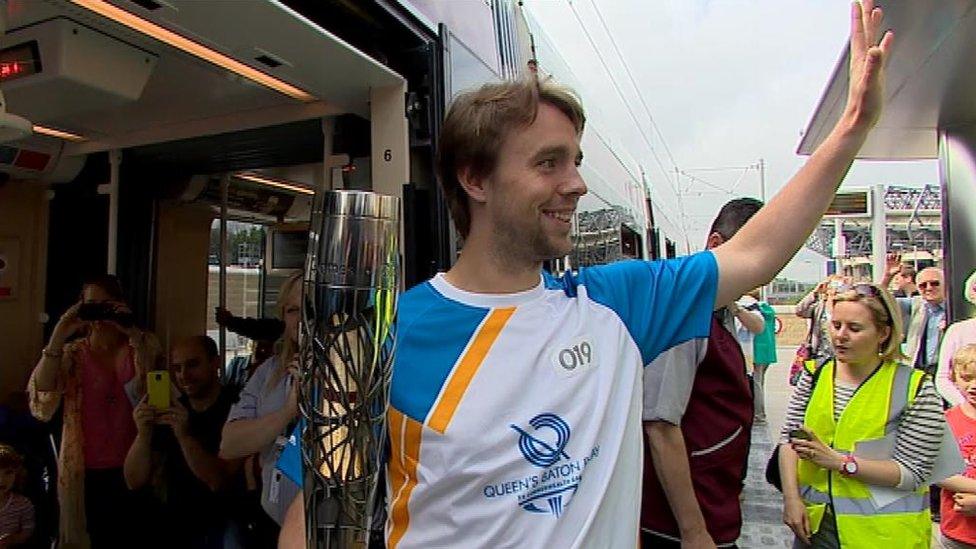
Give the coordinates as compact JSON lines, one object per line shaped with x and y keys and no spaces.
{"x":872,"y":412}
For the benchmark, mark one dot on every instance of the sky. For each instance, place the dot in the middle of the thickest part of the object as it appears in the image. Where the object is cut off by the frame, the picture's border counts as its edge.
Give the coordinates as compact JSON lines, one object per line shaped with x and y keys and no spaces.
{"x":727,"y":82}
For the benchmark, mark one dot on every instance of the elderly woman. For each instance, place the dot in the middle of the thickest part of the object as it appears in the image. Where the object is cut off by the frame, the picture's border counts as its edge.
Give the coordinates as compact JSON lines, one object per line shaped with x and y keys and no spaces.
{"x":958,"y":335}
{"x":98,"y":377}
{"x":860,"y":394}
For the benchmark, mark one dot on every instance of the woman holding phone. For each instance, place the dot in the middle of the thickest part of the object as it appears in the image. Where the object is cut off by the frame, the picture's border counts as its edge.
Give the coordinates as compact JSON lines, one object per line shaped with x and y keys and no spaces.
{"x":267,"y":412}
{"x":862,"y":393}
{"x":95,"y":364}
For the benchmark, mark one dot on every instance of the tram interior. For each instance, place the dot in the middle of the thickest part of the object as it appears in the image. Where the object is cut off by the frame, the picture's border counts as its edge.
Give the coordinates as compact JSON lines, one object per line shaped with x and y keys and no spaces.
{"x":151,"y":129}
{"x":133,"y":131}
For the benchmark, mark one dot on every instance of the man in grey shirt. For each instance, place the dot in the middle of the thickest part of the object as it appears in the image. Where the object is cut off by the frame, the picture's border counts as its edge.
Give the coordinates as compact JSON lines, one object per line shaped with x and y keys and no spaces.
{"x":671,"y":381}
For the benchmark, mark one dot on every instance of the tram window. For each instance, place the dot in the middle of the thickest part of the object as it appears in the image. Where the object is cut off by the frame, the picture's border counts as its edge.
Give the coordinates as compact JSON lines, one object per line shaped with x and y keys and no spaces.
{"x":630,"y":244}
{"x":288,"y":249}
{"x":245,"y":278}
{"x":467,"y":70}
{"x":670,"y":249}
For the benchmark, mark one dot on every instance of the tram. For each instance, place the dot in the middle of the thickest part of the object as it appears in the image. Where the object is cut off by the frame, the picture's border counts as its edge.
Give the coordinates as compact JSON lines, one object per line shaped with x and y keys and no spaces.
{"x":178,"y":144}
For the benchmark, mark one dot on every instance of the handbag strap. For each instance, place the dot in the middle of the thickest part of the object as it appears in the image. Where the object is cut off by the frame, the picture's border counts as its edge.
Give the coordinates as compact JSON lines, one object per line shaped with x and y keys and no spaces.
{"x":814,"y":321}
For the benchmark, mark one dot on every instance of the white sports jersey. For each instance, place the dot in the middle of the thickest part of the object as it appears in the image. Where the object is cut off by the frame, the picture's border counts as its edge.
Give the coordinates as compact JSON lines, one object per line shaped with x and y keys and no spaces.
{"x":516,"y":419}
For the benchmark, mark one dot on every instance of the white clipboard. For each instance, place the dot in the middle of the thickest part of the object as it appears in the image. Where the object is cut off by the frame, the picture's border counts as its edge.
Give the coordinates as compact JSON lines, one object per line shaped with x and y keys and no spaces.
{"x":948,"y":463}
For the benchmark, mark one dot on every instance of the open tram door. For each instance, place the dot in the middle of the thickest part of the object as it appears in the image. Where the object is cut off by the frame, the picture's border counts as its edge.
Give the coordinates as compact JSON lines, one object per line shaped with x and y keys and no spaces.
{"x":140,"y":110}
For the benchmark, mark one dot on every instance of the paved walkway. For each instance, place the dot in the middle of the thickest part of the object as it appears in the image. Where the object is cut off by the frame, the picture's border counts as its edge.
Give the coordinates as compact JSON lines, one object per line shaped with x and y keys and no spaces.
{"x":762,"y":505}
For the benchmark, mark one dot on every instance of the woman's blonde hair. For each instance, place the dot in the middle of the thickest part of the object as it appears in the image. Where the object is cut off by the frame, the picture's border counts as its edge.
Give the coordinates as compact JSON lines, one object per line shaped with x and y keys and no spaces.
{"x":885,"y":313}
{"x":286,"y":349}
{"x":964,"y":356}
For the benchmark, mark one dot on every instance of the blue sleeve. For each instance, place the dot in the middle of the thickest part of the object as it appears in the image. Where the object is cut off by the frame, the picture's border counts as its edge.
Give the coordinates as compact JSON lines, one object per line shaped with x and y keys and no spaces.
{"x":290,"y":460}
{"x":662,"y":303}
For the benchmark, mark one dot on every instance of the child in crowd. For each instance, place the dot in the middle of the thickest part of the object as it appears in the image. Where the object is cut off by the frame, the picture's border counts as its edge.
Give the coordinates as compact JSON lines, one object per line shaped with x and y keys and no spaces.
{"x":16,"y":511}
{"x":959,"y":492}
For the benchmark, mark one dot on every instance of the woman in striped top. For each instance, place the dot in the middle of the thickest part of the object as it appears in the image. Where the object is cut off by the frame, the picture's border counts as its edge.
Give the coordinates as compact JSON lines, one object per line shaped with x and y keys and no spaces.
{"x":865,"y":337}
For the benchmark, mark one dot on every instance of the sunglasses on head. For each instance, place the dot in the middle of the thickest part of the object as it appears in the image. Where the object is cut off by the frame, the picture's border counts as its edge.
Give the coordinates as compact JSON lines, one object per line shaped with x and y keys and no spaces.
{"x":927,"y":283}
{"x":869,"y":290}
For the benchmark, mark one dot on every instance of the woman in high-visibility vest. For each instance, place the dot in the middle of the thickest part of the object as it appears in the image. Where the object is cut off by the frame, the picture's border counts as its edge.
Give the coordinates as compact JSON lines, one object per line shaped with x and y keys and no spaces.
{"x":859,"y":398}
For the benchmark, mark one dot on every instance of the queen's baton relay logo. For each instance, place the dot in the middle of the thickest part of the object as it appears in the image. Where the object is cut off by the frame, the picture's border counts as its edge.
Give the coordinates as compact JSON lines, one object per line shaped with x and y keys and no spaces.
{"x":538,"y":451}
{"x":543,"y":444}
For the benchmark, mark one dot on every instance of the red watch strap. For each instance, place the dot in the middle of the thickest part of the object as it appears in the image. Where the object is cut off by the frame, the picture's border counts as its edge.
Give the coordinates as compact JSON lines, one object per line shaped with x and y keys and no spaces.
{"x":848,"y":459}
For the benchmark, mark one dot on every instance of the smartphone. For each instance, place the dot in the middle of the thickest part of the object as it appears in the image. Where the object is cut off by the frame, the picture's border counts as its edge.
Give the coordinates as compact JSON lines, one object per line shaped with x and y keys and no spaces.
{"x":799,"y":433}
{"x":157,"y":385}
{"x":105,"y":311}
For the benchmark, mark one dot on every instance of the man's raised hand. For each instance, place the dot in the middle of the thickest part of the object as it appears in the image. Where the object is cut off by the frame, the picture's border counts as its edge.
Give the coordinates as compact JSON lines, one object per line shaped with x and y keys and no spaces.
{"x":868,"y":57}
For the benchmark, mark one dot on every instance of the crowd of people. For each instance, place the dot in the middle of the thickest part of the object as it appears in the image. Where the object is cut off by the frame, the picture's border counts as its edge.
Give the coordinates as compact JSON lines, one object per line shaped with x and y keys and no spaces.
{"x":872,"y":341}
{"x":187,"y":461}
{"x":493,"y":441}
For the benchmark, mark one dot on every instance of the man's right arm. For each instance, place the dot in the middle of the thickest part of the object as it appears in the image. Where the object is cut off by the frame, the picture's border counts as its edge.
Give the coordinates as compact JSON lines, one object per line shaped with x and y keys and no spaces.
{"x":804,"y":309}
{"x":668,"y":383}
{"x":670,"y":457}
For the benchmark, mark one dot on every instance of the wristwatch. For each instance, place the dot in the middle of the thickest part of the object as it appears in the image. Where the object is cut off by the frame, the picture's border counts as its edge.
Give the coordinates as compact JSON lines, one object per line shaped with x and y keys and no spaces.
{"x":848,"y":466}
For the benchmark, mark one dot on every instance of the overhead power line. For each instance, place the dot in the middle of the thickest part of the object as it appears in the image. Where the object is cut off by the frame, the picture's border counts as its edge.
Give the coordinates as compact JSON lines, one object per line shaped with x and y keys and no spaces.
{"x":721,"y":168}
{"x":706,"y":183}
{"x":633,"y":82}
{"x":623,"y":99}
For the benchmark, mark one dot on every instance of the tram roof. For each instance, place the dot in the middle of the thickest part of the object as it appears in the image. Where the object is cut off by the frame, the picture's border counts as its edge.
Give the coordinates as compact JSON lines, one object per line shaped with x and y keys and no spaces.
{"x":185,"y":96}
{"x":930,"y":84}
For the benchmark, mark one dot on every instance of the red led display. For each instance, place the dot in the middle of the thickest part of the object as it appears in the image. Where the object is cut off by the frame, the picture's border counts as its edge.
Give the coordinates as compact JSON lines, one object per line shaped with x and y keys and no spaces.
{"x":9,"y":70}
{"x":19,"y":61}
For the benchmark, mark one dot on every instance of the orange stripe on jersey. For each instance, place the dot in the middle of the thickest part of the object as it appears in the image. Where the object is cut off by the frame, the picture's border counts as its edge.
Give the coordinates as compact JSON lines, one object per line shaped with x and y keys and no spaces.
{"x":405,"y":455}
{"x":395,"y":425}
{"x":466,"y":369}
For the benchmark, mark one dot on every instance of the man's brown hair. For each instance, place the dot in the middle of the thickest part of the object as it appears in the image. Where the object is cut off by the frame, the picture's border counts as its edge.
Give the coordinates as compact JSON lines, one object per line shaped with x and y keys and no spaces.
{"x":477,"y":124}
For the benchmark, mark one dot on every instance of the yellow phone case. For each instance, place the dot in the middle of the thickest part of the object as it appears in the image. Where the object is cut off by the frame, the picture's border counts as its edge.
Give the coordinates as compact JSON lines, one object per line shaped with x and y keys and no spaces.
{"x":157,"y":385}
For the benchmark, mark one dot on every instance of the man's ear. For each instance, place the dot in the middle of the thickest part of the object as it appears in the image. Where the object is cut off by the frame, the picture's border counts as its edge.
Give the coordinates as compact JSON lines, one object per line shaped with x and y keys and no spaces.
{"x":714,"y":241}
{"x":475,"y":187}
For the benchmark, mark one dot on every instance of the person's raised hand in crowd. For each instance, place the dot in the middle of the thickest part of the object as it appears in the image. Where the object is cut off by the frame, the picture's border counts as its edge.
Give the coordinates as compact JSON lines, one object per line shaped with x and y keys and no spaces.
{"x":144,"y":416}
{"x":68,"y":325}
{"x":175,"y":417}
{"x":121,"y":308}
{"x":893,"y":264}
